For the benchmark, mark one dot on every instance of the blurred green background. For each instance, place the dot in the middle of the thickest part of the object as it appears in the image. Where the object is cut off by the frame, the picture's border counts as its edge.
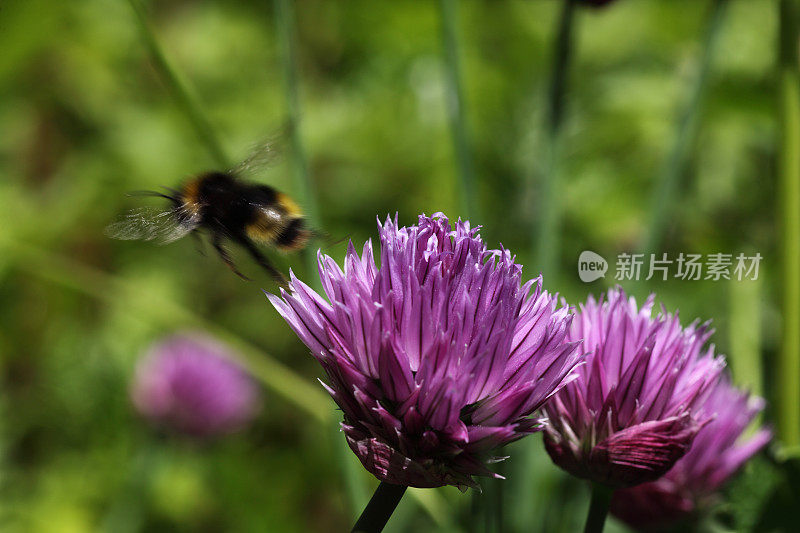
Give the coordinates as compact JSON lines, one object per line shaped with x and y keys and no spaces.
{"x":85,"y":117}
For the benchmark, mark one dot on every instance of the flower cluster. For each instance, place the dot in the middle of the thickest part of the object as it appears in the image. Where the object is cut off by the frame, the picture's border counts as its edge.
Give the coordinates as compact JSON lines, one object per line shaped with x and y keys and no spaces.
{"x":189,"y":383}
{"x":436,"y":358}
{"x":442,"y":355}
{"x":637,"y":404}
{"x":717,"y":453}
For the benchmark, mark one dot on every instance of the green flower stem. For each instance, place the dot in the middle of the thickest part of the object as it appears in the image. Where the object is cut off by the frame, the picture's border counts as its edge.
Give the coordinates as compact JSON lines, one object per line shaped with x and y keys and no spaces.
{"x":454,"y":102}
{"x":663,"y":200}
{"x":788,"y":368}
{"x":352,"y":472}
{"x":547,"y":243}
{"x":744,"y":333}
{"x":545,"y":232}
{"x":184,"y":97}
{"x":284,"y":27}
{"x":380,"y":508}
{"x":598,"y":509}
{"x":498,"y":506}
{"x":151,"y":305}
{"x":434,"y":505}
{"x":355,"y":486}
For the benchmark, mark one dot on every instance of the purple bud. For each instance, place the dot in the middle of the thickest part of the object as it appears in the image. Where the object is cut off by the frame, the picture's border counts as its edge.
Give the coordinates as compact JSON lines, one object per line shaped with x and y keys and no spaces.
{"x":717,"y":453}
{"x":438,"y":357}
{"x":190,"y":384}
{"x":635,"y":407}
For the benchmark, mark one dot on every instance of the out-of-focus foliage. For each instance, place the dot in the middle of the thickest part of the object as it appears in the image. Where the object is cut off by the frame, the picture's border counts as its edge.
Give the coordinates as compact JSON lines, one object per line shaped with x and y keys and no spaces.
{"x":84,"y":118}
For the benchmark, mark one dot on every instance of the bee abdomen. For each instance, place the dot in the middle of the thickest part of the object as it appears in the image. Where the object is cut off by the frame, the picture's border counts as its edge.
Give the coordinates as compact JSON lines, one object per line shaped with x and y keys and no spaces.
{"x":288,"y":206}
{"x":266,"y":225}
{"x":292,"y":237}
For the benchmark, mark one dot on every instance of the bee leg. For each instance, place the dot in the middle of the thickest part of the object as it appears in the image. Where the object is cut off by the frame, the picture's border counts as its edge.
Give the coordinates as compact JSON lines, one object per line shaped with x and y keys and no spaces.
{"x":279,"y":278}
{"x":326,"y":238}
{"x":223,"y":253}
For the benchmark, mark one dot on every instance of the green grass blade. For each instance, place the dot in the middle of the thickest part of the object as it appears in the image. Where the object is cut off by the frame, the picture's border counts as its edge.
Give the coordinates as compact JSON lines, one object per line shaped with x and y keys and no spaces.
{"x":663,"y":200}
{"x":434,"y":505}
{"x":745,"y":334}
{"x":284,"y":26}
{"x":352,"y":472}
{"x":357,"y":494}
{"x":527,"y":480}
{"x":186,"y":100}
{"x":788,"y":367}
{"x":152,"y":306}
{"x":454,"y":102}
{"x":546,"y":233}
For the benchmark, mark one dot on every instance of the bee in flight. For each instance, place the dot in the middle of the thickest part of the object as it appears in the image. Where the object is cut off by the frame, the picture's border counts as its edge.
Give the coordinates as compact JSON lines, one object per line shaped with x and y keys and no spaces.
{"x":227,"y":208}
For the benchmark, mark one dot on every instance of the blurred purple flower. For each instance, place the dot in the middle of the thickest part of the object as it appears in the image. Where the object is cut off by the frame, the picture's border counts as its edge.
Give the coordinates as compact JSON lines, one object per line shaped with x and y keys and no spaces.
{"x":438,"y":357}
{"x":190,"y":384}
{"x":633,"y":411}
{"x":717,"y":453}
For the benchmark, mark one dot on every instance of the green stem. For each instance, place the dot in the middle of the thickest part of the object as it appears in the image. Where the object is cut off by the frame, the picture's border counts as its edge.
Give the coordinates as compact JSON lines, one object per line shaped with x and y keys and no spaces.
{"x":454,"y":101}
{"x":475,"y":512}
{"x":152,"y":305}
{"x":663,"y":199}
{"x":380,"y":508}
{"x":435,"y":506}
{"x":744,"y":333}
{"x":490,"y":503}
{"x":184,"y":97}
{"x":499,"y":500}
{"x":598,"y":509}
{"x":788,"y":371}
{"x":351,"y":470}
{"x":547,"y":241}
{"x":284,"y":26}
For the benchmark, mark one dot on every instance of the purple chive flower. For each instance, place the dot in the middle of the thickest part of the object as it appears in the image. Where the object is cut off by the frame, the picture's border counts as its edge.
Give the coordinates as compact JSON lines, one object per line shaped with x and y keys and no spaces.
{"x":717,"y":453}
{"x":190,"y":384}
{"x":438,"y":357}
{"x":634,"y":410}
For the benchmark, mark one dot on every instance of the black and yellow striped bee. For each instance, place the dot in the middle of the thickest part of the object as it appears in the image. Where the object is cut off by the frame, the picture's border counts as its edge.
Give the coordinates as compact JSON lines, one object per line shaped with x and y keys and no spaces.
{"x":227,"y":208}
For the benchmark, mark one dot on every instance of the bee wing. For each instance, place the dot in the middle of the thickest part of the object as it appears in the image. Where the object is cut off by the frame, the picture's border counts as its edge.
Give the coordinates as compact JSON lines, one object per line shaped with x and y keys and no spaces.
{"x":150,"y":224}
{"x":263,"y":154}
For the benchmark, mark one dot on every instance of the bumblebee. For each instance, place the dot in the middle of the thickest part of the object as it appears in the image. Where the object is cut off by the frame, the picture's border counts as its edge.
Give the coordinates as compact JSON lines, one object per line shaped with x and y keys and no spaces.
{"x":228,"y":209}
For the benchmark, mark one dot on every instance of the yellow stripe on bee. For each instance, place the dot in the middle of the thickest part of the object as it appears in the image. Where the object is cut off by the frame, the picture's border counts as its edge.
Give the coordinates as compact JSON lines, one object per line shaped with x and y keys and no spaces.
{"x":289,"y":206}
{"x":259,"y":233}
{"x":266,"y":227}
{"x":190,"y":195}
